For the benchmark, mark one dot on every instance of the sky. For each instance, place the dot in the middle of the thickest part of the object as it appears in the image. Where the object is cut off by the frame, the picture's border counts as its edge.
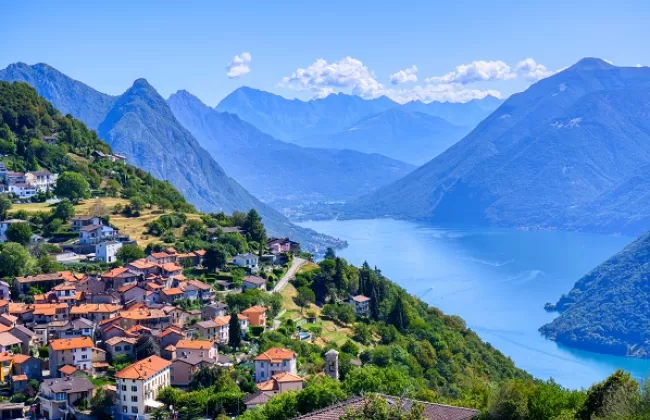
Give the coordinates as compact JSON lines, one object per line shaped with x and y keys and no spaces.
{"x":415,"y":50}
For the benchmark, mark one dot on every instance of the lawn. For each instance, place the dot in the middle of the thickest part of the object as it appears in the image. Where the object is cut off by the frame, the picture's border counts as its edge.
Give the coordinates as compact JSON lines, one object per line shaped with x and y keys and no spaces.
{"x":132,"y":226}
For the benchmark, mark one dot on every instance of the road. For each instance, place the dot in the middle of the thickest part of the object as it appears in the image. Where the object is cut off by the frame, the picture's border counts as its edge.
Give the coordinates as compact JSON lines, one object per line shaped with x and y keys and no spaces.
{"x":291,"y":273}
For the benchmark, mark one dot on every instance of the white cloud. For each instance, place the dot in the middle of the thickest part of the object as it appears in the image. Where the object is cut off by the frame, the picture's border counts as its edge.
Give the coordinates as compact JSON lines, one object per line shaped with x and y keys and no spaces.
{"x":321,"y":77}
{"x":477,"y":71}
{"x":239,"y":65}
{"x":532,"y":71}
{"x":404,"y":76}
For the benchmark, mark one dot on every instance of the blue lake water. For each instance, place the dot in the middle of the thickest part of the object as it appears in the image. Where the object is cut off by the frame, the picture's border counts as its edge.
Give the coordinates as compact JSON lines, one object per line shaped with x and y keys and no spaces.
{"x":498,"y":280}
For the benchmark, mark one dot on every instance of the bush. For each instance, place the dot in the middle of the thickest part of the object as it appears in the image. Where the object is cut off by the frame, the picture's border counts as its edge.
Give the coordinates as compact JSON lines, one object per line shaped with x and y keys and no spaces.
{"x":256,"y":330}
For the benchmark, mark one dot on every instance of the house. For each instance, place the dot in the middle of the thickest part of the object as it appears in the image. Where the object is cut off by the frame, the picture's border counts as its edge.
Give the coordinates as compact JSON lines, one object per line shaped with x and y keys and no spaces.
{"x":282,"y":245}
{"x":58,"y":397}
{"x":169,"y":296}
{"x":183,"y":369}
{"x":8,"y":341}
{"x":44,"y":281}
{"x":201,"y":348}
{"x":153,"y":318}
{"x":5,"y":290}
{"x":44,"y":313}
{"x":256,"y":315}
{"x":273,"y":361}
{"x":205,"y":292}
{"x":121,"y":345}
{"x":71,"y":351}
{"x":84,"y":220}
{"x":253,"y":282}
{"x":247,"y":260}
{"x":215,"y":310}
{"x":10,"y":411}
{"x":255,"y":400}
{"x":138,"y":386}
{"x":94,"y":234}
{"x":143,"y":267}
{"x":171,"y":270}
{"x":219,"y":328}
{"x":95,"y":312}
{"x":118,"y":277}
{"x":79,"y":327}
{"x":361,"y":304}
{"x":42,"y":180}
{"x":28,"y":366}
{"x":281,"y":382}
{"x":19,"y":384}
{"x":107,"y":251}
{"x":161,"y":257}
{"x":25,"y":335}
{"x":431,"y":411}
{"x":22,"y":190}
{"x":132,"y":293}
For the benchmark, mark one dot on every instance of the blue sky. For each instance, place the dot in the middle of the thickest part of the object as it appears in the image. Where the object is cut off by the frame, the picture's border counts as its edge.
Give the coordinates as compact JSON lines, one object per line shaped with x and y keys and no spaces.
{"x":187,"y":45}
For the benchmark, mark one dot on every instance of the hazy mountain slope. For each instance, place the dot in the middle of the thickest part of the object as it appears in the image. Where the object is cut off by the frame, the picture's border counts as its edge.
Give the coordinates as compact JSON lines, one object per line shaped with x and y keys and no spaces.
{"x":67,"y":95}
{"x":608,"y":310}
{"x":275,"y":170}
{"x":539,"y":160}
{"x":293,"y":120}
{"x":408,"y":136}
{"x":467,"y":114}
{"x":142,"y":126}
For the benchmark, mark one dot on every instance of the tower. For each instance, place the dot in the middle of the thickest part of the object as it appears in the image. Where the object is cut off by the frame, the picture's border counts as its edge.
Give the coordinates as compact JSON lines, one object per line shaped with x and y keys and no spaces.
{"x":332,"y":364}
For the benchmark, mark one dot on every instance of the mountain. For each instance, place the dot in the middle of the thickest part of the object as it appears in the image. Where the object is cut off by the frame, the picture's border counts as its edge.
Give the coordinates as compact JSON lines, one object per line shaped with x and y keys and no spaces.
{"x":467,"y":114}
{"x":543,"y":159}
{"x":293,"y":120}
{"x":274,"y":170}
{"x":608,"y":310}
{"x":408,"y":136}
{"x":67,"y":95}
{"x":141,"y":125}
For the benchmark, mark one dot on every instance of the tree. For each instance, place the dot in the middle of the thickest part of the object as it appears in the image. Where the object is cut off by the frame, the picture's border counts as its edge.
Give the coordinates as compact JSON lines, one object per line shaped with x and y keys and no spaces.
{"x":15,"y":260}
{"x":399,"y":316}
{"x":48,"y":265}
{"x":128,"y":253}
{"x":305,"y":297}
{"x":234,"y":331}
{"x":320,"y":391}
{"x":101,"y":404}
{"x":255,"y":229}
{"x":5,"y":206}
{"x":215,"y":257}
{"x":350,"y":348}
{"x":64,"y":210}
{"x":146,"y":346}
{"x":21,"y":233}
{"x":194,"y":228}
{"x":616,"y":397}
{"x":72,"y":185}
{"x":112,"y":187}
{"x":330,"y":254}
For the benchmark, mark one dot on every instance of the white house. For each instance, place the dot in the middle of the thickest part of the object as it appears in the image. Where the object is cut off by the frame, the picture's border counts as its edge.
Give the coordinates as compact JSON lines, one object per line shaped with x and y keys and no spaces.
{"x":253,"y":282}
{"x":247,"y":260}
{"x":84,"y":220}
{"x":71,"y":351}
{"x":42,"y":180}
{"x":94,"y":234}
{"x":273,"y":361}
{"x":361,"y":304}
{"x":138,"y":386}
{"x":106,"y":251}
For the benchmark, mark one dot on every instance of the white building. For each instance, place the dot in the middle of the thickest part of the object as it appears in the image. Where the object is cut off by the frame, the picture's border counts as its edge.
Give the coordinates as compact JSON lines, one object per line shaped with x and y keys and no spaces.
{"x":71,"y":351}
{"x":94,"y":234}
{"x":138,"y":386}
{"x":42,"y":180}
{"x":273,"y":361}
{"x":361,"y":304}
{"x":22,"y":190}
{"x":105,"y":251}
{"x":247,"y":260}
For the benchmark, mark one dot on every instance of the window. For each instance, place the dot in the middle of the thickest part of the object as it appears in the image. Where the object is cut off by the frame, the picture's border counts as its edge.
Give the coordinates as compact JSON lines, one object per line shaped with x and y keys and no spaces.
{"x":124,"y":397}
{"x":123,"y":387}
{"x":118,"y":348}
{"x":134,"y":398}
{"x":84,"y":356}
{"x":134,"y":409}
{"x":124,"y":409}
{"x":134,"y":388}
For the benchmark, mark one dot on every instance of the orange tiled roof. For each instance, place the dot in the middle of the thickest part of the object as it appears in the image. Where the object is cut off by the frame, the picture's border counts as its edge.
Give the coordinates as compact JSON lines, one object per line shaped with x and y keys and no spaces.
{"x":170,"y":330}
{"x":160,"y":255}
{"x":17,"y":378}
{"x":64,"y":286}
{"x":48,"y":309}
{"x":3,"y":303}
{"x":254,"y":310}
{"x":200,"y":252}
{"x":115,"y":272}
{"x":172,"y":291}
{"x":276,"y":354}
{"x":199,"y":285}
{"x":117,"y":340}
{"x":287,"y":377}
{"x":19,"y":308}
{"x":142,"y":264}
{"x":71,"y":343}
{"x":67,"y":369}
{"x":94,"y":308}
{"x":144,"y":368}
{"x":21,"y":358}
{"x":194,"y":344}
{"x":171,"y":267}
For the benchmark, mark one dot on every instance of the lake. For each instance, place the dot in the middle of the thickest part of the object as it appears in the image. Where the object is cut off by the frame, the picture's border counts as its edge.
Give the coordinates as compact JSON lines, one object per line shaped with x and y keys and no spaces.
{"x":497,"y":279}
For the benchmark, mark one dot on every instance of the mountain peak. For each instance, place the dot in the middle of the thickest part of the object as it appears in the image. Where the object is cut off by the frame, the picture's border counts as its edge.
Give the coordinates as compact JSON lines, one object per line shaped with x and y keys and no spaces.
{"x":592,"y":63}
{"x":142,"y":83}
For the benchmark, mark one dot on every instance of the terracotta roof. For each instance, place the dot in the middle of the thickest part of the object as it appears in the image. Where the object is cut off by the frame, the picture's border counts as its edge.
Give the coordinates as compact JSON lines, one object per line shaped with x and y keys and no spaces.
{"x":67,"y":369}
{"x":272,"y":384}
{"x":431,"y":411}
{"x":98,"y":365}
{"x":5,"y":328}
{"x":109,"y":321}
{"x":3,"y":303}
{"x":170,"y":348}
{"x":160,"y":255}
{"x":144,"y":368}
{"x":40,"y":277}
{"x":172,"y":291}
{"x":48,"y":309}
{"x":138,"y":328}
{"x":94,"y":308}
{"x":257,"y":399}
{"x":115,"y":272}
{"x":19,"y":308}
{"x":194,"y":344}
{"x":199,"y":285}
{"x":117,"y":340}
{"x":254,"y":310}
{"x":6,"y":356}
{"x":170,"y":330}
{"x":142,"y":264}
{"x":9,"y":318}
{"x":21,"y":358}
{"x":200,"y":252}
{"x":276,"y":354}
{"x":360,"y":298}
{"x":154,"y":286}
{"x":64,"y":286}
{"x":255,"y":280}
{"x":171,"y":267}
{"x":18,"y":378}
{"x":127,"y":287}
{"x":71,"y":343}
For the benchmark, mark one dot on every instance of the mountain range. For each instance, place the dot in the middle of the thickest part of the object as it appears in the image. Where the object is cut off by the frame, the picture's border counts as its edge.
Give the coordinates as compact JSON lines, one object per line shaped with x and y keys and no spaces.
{"x":276,"y":171}
{"x":568,"y":152}
{"x":141,"y":125}
{"x":414,"y":132}
{"x":608,"y":310}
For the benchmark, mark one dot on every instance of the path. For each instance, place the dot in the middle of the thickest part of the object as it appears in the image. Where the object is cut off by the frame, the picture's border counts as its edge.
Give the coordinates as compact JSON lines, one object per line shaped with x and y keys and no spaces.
{"x":291,"y":272}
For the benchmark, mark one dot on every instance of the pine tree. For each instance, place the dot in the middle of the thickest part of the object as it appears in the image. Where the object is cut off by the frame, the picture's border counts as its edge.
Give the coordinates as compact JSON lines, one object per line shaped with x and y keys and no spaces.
{"x":234,"y":331}
{"x":399,"y":315}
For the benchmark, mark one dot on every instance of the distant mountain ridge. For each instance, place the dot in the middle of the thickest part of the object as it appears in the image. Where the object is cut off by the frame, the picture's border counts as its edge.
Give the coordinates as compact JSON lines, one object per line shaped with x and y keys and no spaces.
{"x":140,"y":124}
{"x":543,"y":159}
{"x":608,"y":310}
{"x":275,"y":170}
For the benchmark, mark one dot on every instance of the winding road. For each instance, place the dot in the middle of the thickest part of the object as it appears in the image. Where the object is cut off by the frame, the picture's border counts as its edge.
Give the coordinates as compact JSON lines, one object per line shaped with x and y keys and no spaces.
{"x":291,"y":273}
